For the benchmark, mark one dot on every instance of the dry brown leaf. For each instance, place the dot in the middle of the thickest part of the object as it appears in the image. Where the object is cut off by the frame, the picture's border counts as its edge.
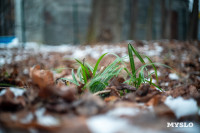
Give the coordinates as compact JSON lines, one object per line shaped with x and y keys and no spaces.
{"x":154,"y":101}
{"x":42,"y":78}
{"x":111,"y":99}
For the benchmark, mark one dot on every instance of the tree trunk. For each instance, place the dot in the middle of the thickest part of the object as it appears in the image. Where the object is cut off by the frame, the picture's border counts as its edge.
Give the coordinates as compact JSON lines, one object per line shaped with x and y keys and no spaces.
{"x":163,"y":19}
{"x":168,"y":20}
{"x":149,"y":25}
{"x":193,"y":24}
{"x":133,"y":18}
{"x":106,"y":21}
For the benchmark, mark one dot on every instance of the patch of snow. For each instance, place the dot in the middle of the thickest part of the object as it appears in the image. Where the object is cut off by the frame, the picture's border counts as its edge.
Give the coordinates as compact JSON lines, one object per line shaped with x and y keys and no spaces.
{"x":112,"y":122}
{"x":78,"y":53}
{"x":20,"y":57}
{"x":3,"y":92}
{"x":2,"y":61}
{"x":17,"y":91}
{"x":156,"y":52}
{"x":27,"y":119}
{"x":153,"y":80}
{"x":158,"y":72}
{"x":182,"y":107}
{"x":165,"y":84}
{"x":13,"y":117}
{"x":121,"y":111}
{"x":173,"y":76}
{"x":26,"y":71}
{"x":14,"y":44}
{"x":46,"y":120}
{"x":108,"y":124}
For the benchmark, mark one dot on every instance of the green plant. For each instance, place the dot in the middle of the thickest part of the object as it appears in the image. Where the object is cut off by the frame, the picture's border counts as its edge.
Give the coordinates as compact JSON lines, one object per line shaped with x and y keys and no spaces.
{"x":92,"y":78}
{"x":142,"y":71}
{"x":96,"y":80}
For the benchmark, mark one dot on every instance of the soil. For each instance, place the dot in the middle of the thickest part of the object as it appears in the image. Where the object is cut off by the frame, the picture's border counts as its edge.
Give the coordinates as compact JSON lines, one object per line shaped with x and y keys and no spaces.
{"x":33,"y":99}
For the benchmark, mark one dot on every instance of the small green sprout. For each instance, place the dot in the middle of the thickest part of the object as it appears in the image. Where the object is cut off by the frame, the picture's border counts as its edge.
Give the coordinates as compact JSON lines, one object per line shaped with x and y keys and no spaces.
{"x":137,"y":81}
{"x":92,"y":78}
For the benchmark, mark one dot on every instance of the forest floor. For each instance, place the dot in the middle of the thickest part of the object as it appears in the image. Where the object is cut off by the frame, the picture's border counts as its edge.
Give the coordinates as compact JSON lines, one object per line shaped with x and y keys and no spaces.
{"x":32,"y":99}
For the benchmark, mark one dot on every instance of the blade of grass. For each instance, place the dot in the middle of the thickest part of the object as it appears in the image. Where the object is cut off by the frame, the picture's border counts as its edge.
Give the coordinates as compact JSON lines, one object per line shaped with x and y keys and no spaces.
{"x":80,"y":75}
{"x":153,"y":68}
{"x":131,"y":60}
{"x":137,"y":54}
{"x":97,"y":64}
{"x":74,"y":77}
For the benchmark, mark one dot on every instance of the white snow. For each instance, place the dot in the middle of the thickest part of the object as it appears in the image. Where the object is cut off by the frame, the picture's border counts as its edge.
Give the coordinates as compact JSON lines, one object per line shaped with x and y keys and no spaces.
{"x":108,"y":124}
{"x":156,"y":52}
{"x":16,"y":91}
{"x":111,"y":122}
{"x":14,"y":43}
{"x":182,"y":107}
{"x":46,"y":120}
{"x":121,"y":111}
{"x":158,"y":72}
{"x":173,"y":76}
{"x":2,"y":92}
{"x":29,"y":117}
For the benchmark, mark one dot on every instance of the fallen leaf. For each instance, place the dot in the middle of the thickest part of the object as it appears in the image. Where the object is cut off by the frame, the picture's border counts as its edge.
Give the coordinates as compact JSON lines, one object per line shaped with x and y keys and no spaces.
{"x":42,"y":78}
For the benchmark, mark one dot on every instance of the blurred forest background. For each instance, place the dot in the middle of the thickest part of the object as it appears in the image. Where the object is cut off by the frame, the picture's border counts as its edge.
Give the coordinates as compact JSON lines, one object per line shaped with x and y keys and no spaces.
{"x":91,"y":21}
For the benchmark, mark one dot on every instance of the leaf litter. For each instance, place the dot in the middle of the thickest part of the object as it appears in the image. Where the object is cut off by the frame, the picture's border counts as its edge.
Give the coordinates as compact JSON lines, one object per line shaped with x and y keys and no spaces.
{"x":33,"y":98}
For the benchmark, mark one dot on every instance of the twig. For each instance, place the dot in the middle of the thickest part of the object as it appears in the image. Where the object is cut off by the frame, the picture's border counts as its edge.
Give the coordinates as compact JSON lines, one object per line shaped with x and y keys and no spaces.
{"x":101,"y":92}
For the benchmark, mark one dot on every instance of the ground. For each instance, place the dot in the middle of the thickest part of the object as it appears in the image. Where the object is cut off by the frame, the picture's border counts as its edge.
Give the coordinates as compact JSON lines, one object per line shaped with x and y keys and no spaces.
{"x":34,"y":99}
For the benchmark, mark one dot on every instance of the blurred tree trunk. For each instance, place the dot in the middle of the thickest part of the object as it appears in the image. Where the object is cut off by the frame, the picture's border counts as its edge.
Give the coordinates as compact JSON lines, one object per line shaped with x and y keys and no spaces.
{"x":133,"y":16}
{"x":150,"y":20}
{"x":193,"y":24}
{"x":163,"y":19}
{"x":168,"y":21}
{"x":106,"y":21}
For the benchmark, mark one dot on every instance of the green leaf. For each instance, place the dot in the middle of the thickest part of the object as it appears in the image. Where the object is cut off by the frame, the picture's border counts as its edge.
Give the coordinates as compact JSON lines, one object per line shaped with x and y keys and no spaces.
{"x":6,"y":85}
{"x":97,"y":64}
{"x":74,"y":78}
{"x":90,"y":67}
{"x":127,"y":72}
{"x":85,"y":71}
{"x":80,"y":75}
{"x":137,"y":54}
{"x":153,"y":68}
{"x":131,"y":60}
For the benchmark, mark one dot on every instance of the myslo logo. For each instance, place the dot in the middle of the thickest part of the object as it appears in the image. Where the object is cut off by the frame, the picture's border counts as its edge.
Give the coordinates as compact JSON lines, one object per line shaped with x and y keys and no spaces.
{"x":180,"y":124}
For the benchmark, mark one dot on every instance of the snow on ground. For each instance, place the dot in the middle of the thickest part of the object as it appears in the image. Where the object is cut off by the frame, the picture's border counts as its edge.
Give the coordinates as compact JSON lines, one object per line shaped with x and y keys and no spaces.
{"x":16,"y":91}
{"x":153,"y":52}
{"x":173,"y":76}
{"x":111,"y":122}
{"x":46,"y":120}
{"x":77,"y":51}
{"x":72,"y":51}
{"x":182,"y":107}
{"x":29,"y":117}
